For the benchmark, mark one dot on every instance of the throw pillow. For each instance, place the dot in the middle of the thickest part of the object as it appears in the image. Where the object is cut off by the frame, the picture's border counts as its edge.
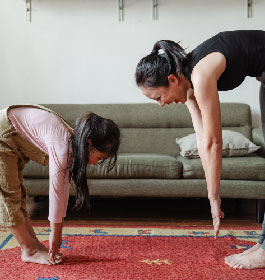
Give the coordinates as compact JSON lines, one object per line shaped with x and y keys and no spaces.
{"x":234,"y":144}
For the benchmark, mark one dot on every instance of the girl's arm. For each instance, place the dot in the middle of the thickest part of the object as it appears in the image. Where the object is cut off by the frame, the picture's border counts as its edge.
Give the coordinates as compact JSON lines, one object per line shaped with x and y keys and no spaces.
{"x":58,"y":192}
{"x":206,"y":115}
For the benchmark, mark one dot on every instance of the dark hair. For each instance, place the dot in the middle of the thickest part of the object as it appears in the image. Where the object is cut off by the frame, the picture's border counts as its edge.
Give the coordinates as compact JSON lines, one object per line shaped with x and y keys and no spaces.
{"x":105,"y":137}
{"x":153,"y":70}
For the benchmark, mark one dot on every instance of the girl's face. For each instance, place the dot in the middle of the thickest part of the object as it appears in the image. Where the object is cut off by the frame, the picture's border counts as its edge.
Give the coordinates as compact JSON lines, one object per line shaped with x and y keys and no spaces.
{"x":175,"y":92}
{"x":95,"y":156}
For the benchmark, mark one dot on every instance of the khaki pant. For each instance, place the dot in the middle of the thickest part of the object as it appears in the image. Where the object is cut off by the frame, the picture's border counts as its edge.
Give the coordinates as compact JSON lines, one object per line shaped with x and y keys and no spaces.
{"x":15,"y":152}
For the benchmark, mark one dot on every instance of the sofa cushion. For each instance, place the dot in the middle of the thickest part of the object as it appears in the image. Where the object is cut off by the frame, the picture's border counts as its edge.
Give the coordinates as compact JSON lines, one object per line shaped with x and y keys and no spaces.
{"x":34,"y":170}
{"x":234,"y":145}
{"x":151,"y":115}
{"x":234,"y":168}
{"x":142,"y":165}
{"x":148,"y":128}
{"x":128,"y":166}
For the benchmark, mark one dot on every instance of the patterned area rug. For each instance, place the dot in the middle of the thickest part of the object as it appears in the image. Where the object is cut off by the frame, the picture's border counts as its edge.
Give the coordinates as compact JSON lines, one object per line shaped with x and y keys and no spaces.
{"x":130,"y":253}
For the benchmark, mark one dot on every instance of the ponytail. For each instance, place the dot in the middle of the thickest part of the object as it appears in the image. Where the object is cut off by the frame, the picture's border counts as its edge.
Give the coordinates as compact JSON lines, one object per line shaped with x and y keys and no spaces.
{"x":153,"y":70}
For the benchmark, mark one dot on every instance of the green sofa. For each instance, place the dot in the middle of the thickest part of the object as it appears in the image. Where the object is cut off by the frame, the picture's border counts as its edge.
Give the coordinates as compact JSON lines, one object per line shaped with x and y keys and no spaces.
{"x":149,"y":163}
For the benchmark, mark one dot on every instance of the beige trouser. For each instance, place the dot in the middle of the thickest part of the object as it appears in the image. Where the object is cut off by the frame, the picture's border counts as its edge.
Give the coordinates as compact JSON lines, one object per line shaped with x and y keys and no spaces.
{"x":15,"y":152}
{"x":13,"y":209}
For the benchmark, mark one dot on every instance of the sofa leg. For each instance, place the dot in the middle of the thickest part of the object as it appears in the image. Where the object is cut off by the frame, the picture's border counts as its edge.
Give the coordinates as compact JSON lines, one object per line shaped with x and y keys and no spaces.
{"x":36,"y":199}
{"x":260,"y":208}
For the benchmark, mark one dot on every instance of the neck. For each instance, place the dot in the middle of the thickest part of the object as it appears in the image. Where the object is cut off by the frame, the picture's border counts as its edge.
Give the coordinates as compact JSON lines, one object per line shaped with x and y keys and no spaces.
{"x":187,"y":83}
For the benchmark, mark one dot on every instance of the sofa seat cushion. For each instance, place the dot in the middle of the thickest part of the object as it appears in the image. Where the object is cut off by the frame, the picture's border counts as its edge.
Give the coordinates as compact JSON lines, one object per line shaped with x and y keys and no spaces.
{"x":128,"y":166}
{"x":250,"y":167}
{"x":34,"y":170}
{"x":140,"y":165}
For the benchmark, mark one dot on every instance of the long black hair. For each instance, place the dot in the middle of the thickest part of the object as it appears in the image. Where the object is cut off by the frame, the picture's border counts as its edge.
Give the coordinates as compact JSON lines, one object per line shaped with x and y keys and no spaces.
{"x":105,"y":137}
{"x":153,"y":70}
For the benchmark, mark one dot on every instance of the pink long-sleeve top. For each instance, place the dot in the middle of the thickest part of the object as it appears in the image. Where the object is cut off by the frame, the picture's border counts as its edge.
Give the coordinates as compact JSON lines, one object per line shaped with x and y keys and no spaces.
{"x":48,"y":133}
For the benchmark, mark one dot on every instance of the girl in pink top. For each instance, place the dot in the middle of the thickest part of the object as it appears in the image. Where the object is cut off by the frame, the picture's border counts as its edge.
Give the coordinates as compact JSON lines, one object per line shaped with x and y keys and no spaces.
{"x":69,"y":151}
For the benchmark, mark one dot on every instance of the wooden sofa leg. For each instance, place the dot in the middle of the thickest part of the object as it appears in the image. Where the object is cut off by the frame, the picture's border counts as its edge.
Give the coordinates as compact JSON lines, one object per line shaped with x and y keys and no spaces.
{"x":260,"y":208}
{"x":36,"y":199}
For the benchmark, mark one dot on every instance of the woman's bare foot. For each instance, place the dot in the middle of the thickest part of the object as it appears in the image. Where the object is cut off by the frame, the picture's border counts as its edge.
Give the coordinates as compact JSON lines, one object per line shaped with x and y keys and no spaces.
{"x":237,"y":257}
{"x":253,"y":260}
{"x":38,"y":256}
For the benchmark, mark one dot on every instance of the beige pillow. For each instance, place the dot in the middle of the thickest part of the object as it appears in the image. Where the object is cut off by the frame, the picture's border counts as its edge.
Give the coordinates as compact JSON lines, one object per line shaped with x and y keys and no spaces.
{"x":234,"y":145}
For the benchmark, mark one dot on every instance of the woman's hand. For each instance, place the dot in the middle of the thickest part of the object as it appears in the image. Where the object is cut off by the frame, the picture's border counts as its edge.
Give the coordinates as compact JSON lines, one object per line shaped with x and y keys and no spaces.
{"x":217,"y":214}
{"x":55,"y":241}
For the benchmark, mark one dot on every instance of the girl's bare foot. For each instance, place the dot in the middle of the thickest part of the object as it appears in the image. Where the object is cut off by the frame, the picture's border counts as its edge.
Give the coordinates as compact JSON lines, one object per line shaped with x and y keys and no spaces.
{"x":32,"y":249}
{"x":237,"y":257}
{"x":38,"y":256}
{"x":253,"y":260}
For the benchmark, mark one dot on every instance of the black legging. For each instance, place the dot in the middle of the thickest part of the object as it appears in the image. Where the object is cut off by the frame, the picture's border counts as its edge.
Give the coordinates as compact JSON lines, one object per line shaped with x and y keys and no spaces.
{"x":262,"y":110}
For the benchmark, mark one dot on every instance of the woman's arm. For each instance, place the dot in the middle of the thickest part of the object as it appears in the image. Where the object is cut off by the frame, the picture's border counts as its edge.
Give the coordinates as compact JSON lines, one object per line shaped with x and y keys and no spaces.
{"x":207,"y":114}
{"x":197,"y":122}
{"x":198,"y":127}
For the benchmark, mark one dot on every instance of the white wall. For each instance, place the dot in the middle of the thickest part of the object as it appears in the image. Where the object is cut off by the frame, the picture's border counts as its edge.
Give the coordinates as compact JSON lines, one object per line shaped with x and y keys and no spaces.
{"x":76,"y":51}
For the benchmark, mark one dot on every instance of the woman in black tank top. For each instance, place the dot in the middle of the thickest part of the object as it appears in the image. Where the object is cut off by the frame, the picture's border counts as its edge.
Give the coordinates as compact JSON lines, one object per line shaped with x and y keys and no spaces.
{"x":220,"y":63}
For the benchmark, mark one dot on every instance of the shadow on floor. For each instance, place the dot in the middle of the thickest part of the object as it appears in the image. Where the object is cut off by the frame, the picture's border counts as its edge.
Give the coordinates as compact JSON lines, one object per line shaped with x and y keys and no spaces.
{"x":140,"y":209}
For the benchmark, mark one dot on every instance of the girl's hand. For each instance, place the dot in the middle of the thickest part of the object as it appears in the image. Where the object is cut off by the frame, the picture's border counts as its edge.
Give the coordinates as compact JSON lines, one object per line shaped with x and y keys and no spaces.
{"x":217,"y":214}
{"x":55,"y":241}
{"x":55,"y":244}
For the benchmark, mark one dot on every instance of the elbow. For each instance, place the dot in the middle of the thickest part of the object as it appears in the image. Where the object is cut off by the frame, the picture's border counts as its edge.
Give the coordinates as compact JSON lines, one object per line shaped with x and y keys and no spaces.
{"x":214,"y":145}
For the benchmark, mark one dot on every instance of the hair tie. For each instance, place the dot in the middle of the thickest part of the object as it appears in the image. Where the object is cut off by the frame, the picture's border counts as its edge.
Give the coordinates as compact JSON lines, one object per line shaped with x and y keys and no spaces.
{"x":154,"y":52}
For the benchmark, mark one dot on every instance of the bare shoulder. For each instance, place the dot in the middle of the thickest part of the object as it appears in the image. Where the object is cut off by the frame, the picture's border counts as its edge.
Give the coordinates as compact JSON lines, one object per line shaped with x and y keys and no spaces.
{"x":209,"y":67}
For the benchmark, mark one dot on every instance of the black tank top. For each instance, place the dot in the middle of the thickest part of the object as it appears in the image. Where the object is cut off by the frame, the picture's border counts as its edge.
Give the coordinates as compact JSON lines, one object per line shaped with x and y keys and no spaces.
{"x":244,"y":51}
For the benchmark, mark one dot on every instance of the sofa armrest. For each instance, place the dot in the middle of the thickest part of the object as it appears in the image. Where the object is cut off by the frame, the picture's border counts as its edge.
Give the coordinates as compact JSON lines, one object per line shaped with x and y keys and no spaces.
{"x":258,"y":139}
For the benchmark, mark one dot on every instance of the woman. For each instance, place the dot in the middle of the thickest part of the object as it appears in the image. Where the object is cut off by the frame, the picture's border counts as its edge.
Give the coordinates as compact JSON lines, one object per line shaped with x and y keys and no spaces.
{"x":32,"y":132}
{"x":220,"y":63}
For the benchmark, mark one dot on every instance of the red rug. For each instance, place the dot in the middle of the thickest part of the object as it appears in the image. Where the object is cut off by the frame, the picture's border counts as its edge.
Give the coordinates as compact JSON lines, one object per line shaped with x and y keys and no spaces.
{"x":130,"y":253}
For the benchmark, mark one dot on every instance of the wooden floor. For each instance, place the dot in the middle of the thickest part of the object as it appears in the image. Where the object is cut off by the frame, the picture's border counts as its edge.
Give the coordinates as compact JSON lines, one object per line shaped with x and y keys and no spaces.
{"x":150,"y":212}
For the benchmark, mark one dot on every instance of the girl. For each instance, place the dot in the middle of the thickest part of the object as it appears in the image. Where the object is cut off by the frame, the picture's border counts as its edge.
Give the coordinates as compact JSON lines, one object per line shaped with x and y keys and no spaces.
{"x":33,"y":132}
{"x":220,"y":63}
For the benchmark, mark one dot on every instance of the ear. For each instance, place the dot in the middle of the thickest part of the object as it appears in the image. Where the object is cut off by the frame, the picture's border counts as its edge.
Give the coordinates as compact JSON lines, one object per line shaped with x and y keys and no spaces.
{"x":172,"y":79}
{"x":89,"y":141}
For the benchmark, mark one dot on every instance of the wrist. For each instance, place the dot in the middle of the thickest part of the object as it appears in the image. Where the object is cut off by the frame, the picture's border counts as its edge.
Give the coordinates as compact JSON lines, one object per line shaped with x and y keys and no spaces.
{"x":55,"y":234}
{"x":213,"y":196}
{"x":56,"y":228}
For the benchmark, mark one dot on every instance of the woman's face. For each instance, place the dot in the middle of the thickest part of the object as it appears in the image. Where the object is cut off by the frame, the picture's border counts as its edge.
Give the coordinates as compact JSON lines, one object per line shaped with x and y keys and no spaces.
{"x":95,"y":156}
{"x":175,"y":92}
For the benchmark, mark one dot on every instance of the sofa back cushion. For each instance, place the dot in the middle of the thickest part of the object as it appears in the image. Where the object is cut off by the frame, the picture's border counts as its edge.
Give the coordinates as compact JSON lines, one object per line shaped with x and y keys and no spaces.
{"x":148,"y":128}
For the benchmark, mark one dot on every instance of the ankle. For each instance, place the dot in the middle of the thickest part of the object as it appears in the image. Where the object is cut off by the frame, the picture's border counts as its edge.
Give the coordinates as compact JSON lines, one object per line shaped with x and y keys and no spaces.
{"x":262,"y":250}
{"x":28,"y":251}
